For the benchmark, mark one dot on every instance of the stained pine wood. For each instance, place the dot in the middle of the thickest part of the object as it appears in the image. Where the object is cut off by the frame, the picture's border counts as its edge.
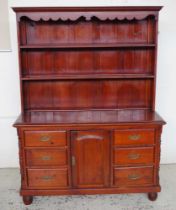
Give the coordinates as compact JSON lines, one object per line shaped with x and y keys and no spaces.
{"x":88,"y":117}
{"x":46,"y":157}
{"x":83,"y":61}
{"x":88,"y":94}
{"x":45,"y":138}
{"x":133,"y":176}
{"x":47,"y":178}
{"x":131,"y":156}
{"x":134,"y":137}
{"x":88,"y":123}
{"x":82,"y":31}
{"x":88,"y":171}
{"x":87,"y":49}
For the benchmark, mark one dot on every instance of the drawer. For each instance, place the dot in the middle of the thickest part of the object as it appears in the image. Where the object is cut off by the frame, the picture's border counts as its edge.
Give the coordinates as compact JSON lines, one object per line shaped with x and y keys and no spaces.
{"x":134,"y":137}
{"x":46,"y":157}
{"x":45,"y":138}
{"x":133,"y":176}
{"x":127,"y":156}
{"x":47,"y":178}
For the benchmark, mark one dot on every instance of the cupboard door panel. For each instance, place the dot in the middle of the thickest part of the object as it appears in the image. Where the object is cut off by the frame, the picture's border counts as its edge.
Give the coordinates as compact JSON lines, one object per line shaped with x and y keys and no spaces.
{"x":90,"y":158}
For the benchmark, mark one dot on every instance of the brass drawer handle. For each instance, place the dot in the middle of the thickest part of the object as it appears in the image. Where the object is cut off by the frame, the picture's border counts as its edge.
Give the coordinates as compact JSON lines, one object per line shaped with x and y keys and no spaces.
{"x":46,"y":157}
{"x":133,"y":156}
{"x":134,"y":176}
{"x":47,"y":178}
{"x":137,"y":33}
{"x":73,"y":160}
{"x":134,"y":137}
{"x":45,"y":138}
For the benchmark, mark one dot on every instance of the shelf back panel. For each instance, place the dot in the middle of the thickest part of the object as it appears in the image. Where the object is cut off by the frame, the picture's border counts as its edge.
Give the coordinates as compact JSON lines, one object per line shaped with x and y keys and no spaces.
{"x":82,"y":31}
{"x":89,"y":94}
{"x":63,"y":62}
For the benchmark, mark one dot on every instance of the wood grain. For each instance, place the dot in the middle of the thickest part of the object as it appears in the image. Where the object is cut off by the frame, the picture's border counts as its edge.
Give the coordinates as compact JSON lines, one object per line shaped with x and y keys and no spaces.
{"x":134,"y":137}
{"x":90,"y":150}
{"x":47,"y":178}
{"x":133,"y":176}
{"x":45,"y":138}
{"x":133,"y":156}
{"x":46,"y":157}
{"x":88,"y":122}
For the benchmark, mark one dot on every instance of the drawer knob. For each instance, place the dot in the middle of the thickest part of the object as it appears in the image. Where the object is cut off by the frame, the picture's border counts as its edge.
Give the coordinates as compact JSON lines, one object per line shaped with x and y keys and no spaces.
{"x":45,"y":138}
{"x":46,"y":157}
{"x":134,"y":137}
{"x":133,"y":156}
{"x":46,"y":178}
{"x":134,"y":176}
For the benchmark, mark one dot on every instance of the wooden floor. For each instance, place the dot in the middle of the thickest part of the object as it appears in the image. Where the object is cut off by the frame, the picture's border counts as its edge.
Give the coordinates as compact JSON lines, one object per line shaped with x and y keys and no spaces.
{"x":10,"y":200}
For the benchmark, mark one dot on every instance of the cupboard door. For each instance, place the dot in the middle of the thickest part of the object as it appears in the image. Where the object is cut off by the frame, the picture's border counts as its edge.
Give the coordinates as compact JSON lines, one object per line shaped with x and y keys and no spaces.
{"x":90,"y":158}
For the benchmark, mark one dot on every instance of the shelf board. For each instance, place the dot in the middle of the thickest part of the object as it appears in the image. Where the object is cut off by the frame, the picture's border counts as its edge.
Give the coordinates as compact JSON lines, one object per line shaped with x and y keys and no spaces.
{"x":45,"y":117}
{"x":92,"y":76}
{"x":85,"y":46}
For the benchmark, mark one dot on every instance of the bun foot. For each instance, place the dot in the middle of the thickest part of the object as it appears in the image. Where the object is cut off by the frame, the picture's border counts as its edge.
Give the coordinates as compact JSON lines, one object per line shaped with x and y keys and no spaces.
{"x":152,"y":196}
{"x":27,"y":200}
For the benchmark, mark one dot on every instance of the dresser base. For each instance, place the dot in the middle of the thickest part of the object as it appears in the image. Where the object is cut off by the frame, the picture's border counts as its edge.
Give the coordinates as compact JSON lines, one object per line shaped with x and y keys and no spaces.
{"x":58,"y":159}
{"x":28,"y":194}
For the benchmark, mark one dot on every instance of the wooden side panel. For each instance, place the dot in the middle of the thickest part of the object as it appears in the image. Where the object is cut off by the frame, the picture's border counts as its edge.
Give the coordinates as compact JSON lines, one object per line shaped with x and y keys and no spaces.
{"x":90,"y":158}
{"x":116,"y":61}
{"x":135,"y":93}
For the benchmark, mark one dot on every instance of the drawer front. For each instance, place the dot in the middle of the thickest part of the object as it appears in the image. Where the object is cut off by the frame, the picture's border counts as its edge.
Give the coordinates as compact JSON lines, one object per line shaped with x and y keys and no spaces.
{"x":134,"y":137}
{"x":46,"y":157}
{"x":133,"y":176}
{"x":47,"y":178}
{"x":127,"y":156}
{"x":45,"y":138}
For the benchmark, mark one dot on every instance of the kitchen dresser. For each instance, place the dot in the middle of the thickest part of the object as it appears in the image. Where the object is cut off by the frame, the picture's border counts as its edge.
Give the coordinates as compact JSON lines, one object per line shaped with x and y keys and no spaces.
{"x":88,"y":123}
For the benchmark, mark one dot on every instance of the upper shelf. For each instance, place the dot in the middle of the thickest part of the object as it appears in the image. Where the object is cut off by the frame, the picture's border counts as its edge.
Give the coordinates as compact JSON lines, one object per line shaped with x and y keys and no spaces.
{"x":87,"y":45}
{"x":87,"y":77}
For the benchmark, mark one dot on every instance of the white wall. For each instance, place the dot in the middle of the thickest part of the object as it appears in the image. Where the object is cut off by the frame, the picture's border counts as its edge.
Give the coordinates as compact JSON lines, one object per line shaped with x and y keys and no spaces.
{"x":4,"y":26}
{"x":166,"y":87}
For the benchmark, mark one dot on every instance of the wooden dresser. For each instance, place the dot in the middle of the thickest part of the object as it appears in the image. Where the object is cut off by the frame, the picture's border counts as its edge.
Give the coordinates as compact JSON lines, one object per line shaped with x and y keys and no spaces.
{"x":88,"y":123}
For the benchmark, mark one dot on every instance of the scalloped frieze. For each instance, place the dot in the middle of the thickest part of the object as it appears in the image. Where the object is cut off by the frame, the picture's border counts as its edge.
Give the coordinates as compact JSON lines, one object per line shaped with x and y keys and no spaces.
{"x":73,"y":16}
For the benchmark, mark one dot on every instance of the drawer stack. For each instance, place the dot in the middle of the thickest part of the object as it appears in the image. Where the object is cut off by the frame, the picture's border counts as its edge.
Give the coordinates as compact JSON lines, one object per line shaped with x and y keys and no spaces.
{"x":133,"y":157}
{"x":46,"y":159}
